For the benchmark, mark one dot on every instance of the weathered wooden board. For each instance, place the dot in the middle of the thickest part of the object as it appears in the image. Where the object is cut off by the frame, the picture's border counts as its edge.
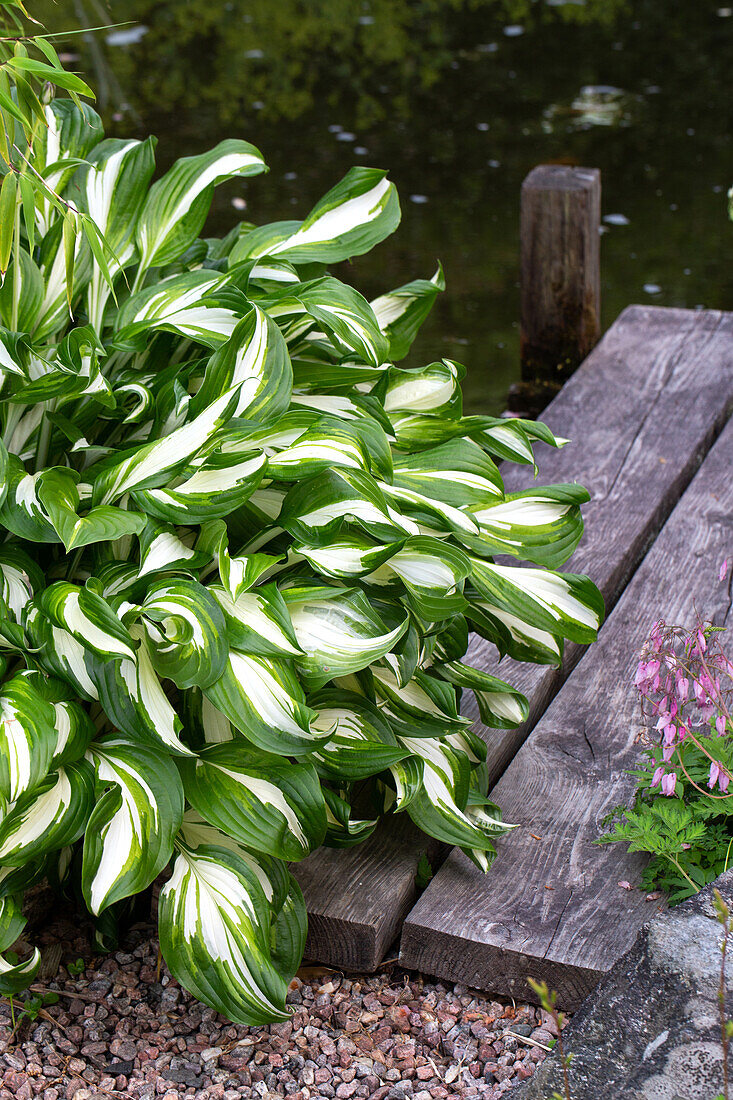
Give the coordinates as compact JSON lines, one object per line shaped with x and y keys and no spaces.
{"x":356,"y":905}
{"x":642,"y":410}
{"x":551,"y":907}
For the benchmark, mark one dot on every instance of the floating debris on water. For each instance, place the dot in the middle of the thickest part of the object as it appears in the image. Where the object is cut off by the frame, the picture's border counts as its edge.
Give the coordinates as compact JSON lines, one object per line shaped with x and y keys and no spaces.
{"x":419,"y":199}
{"x":513,"y":30}
{"x":594,"y":105}
{"x":361,"y":150}
{"x":487,"y":47}
{"x":254,"y":55}
{"x":345,"y":135}
{"x":483,"y":126}
{"x":616,"y":219}
{"x":128,"y":36}
{"x":651,"y":288}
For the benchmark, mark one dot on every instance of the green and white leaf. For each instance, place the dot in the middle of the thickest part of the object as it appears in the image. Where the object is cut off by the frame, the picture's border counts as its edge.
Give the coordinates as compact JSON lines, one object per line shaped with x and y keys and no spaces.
{"x":130,"y":835}
{"x":265,"y":802}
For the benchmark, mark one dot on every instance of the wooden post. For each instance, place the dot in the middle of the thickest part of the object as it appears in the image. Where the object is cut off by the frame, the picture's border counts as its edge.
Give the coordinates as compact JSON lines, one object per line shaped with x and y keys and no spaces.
{"x":560,"y":271}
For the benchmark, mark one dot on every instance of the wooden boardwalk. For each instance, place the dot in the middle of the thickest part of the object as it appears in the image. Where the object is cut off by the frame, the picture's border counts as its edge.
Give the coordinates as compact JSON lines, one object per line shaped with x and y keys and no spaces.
{"x":644,"y":410}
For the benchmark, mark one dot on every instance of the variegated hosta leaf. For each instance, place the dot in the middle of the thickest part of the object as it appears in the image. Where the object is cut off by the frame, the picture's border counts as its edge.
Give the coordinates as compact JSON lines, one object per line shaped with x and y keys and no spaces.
{"x":129,"y":838}
{"x":348,"y":557}
{"x":58,"y":652}
{"x":352,"y":218}
{"x":439,"y":804}
{"x":338,"y":631}
{"x":256,"y":356}
{"x":177,"y":204}
{"x":263,"y":698}
{"x":314,"y":511}
{"x":133,"y":698}
{"x":71,"y":132}
{"x":258,"y":621}
{"x":434,"y":390}
{"x":215,"y":486}
{"x":27,"y":737}
{"x":401,"y":312}
{"x":264,"y":802}
{"x":187,"y":632}
{"x":361,"y":743}
{"x":74,"y":728}
{"x":430,"y":513}
{"x":342,"y":314}
{"x":566,"y":605}
{"x":539,"y":525}
{"x":500,"y":705}
{"x":321,"y":448}
{"x":238,"y":573}
{"x":344,"y":831}
{"x":423,"y":707}
{"x":288,"y":916}
{"x":20,"y":579}
{"x":433,"y":573}
{"x":163,"y":549}
{"x":153,"y":463}
{"x":458,"y":472}
{"x":12,"y":921}
{"x":15,"y":977}
{"x":58,"y":493}
{"x":185,"y":304}
{"x":88,"y":618}
{"x":74,"y":732}
{"x":214,"y":923}
{"x":114,"y":189}
{"x":51,"y":816}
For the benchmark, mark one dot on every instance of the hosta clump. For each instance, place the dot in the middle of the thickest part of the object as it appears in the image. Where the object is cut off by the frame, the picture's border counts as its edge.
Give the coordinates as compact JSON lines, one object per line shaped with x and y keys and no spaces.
{"x":243,"y":553}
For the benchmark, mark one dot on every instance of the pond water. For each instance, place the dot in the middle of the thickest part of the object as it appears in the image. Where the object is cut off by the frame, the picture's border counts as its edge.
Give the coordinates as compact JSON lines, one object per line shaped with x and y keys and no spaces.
{"x":458,"y":99}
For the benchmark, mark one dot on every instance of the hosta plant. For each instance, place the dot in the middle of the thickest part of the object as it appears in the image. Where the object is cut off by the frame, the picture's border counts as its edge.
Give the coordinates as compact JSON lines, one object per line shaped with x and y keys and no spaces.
{"x":243,"y":550}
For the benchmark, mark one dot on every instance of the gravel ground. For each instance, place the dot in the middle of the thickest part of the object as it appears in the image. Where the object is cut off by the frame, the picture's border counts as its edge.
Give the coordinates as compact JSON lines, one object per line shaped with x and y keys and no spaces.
{"x":120,"y":1030}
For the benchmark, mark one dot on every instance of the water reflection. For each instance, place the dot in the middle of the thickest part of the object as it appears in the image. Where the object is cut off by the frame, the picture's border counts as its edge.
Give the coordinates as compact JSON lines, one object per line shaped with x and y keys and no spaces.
{"x":459,"y":110}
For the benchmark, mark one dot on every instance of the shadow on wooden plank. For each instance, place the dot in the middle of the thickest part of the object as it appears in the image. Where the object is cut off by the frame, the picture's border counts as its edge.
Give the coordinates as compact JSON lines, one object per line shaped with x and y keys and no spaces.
{"x":551,"y":907}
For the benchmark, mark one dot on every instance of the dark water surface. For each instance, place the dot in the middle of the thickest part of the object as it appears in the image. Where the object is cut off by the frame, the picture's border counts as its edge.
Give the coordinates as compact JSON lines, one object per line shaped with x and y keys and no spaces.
{"x":458,"y":99}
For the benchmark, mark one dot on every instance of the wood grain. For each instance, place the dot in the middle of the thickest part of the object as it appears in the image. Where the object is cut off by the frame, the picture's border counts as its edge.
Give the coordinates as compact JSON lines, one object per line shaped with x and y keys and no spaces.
{"x":551,"y":907}
{"x":641,"y":412}
{"x":358,"y":898}
{"x":654,"y":368}
{"x":560,"y":273}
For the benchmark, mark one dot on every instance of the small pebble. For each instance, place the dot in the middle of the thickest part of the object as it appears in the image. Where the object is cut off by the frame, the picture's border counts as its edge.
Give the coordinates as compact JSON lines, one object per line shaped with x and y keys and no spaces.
{"x":384,"y":1036}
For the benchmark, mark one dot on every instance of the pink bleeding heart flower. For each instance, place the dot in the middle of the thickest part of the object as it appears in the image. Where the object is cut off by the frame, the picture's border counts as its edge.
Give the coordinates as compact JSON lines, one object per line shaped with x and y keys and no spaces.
{"x":723,"y":570}
{"x":657,"y":777}
{"x":714,"y":773}
{"x":670,"y":732}
{"x":669,"y":781}
{"x":720,"y":724}
{"x":723,"y":781}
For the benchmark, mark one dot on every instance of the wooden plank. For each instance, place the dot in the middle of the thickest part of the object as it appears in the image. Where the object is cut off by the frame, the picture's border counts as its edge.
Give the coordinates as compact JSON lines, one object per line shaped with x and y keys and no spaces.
{"x":560,"y":273}
{"x":642,"y":412}
{"x":667,"y":366}
{"x":358,"y":898}
{"x":551,"y":907}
